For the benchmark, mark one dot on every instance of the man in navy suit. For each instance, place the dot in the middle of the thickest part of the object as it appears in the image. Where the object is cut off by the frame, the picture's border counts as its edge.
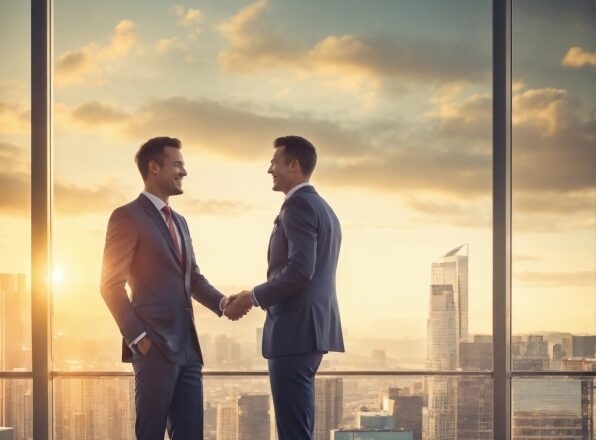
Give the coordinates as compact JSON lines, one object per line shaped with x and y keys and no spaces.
{"x":299,"y":295}
{"x":148,"y":245}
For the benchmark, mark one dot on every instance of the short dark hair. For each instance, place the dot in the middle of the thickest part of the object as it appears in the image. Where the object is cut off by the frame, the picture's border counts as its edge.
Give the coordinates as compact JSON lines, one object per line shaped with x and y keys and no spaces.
{"x":296,"y":147}
{"x":154,"y":149}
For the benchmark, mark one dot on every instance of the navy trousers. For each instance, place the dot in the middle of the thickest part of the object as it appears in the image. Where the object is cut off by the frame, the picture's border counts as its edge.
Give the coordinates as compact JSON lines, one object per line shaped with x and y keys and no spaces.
{"x":168,"y":396}
{"x":292,"y":381}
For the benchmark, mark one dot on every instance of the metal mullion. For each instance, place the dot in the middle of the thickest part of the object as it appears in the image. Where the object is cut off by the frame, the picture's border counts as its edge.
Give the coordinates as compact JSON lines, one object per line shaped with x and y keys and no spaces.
{"x":41,"y":200}
{"x":502,"y":218}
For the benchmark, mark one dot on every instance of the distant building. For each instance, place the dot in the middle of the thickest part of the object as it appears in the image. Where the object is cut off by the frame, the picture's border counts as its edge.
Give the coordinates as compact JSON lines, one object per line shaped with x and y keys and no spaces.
{"x":439,"y":417}
{"x":15,"y":322}
{"x":253,"y":417}
{"x":530,"y":353}
{"x":475,"y":394}
{"x":329,"y":401}
{"x":366,"y":434}
{"x":552,"y":409}
{"x":6,"y":433}
{"x":227,"y":420}
{"x":579,"y":364}
{"x":476,"y":355}
{"x":584,"y":346}
{"x":407,"y":413}
{"x":374,"y":420}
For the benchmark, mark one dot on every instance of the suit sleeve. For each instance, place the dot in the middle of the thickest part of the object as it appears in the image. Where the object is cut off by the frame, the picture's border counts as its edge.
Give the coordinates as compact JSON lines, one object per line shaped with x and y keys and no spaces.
{"x":299,"y":223}
{"x":200,"y":288}
{"x":121,"y":240}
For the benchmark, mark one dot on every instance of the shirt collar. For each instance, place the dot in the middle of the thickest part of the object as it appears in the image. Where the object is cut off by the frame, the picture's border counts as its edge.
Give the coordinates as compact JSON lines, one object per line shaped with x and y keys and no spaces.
{"x":157,"y":202}
{"x":296,"y":188}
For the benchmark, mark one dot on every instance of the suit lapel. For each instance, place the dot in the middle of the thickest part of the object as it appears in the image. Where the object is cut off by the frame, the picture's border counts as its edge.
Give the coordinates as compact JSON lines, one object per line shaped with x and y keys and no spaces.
{"x":159,"y":221}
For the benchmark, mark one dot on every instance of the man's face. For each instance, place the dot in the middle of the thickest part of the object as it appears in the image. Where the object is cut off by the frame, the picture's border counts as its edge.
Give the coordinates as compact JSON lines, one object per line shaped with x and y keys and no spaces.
{"x":170,"y":174}
{"x":280,"y":171}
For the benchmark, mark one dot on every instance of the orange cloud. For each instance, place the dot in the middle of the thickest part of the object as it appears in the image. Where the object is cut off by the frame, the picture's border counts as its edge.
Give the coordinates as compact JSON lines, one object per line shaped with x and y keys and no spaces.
{"x":578,"y":57}
{"x":190,"y":18}
{"x":256,"y":45}
{"x":14,"y":118}
{"x":86,"y":65}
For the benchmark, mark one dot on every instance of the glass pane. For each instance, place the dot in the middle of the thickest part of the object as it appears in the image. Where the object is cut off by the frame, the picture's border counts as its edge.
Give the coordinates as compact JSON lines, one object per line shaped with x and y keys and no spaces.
{"x":16,"y":409}
{"x":240,"y":408}
{"x":15,"y":181}
{"x":553,"y":408}
{"x":94,"y":408}
{"x":397,"y":104}
{"x":554,"y":186}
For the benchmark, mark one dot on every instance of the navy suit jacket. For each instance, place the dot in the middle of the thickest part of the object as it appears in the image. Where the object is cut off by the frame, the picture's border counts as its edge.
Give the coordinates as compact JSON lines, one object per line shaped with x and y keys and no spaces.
{"x":139,"y":250}
{"x":300,"y":295}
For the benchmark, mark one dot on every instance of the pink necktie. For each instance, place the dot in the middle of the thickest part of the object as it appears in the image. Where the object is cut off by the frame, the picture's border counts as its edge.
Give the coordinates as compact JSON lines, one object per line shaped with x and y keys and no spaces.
{"x":168,"y":212}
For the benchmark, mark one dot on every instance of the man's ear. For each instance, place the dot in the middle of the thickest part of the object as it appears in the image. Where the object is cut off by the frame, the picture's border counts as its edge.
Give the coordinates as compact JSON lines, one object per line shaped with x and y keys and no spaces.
{"x":154,"y":167}
{"x":295,"y":165}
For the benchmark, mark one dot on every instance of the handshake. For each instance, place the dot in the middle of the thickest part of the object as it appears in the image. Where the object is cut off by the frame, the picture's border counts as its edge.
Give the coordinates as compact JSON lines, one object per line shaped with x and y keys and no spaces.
{"x":238,"y":305}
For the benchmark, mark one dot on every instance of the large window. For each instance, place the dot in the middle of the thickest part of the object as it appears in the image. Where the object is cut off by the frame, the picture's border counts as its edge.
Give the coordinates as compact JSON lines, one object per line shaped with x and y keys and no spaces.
{"x":15,"y":244}
{"x":554,"y":186}
{"x":396,"y":96}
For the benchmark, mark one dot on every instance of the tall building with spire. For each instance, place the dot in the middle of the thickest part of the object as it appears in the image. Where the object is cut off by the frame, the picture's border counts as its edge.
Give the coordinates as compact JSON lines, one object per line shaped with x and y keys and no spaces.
{"x":452,"y":269}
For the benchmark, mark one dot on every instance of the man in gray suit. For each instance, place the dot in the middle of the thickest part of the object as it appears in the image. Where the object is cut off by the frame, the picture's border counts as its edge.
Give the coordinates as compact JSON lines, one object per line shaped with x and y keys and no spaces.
{"x":299,"y":295}
{"x":148,"y":245}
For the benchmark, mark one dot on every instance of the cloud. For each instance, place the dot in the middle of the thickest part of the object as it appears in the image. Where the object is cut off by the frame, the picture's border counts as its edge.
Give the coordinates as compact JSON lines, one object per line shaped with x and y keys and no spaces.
{"x":87,"y":64}
{"x":464,"y":214}
{"x":237,"y":131}
{"x":578,"y":57}
{"x":77,"y":200}
{"x":553,"y":143}
{"x":256,"y":45}
{"x":555,"y":203}
{"x":189,"y":18}
{"x":584,"y":278}
{"x":446,"y":153}
{"x":214,"y":207}
{"x":95,"y":113}
{"x":166,"y":45}
{"x":14,"y":118}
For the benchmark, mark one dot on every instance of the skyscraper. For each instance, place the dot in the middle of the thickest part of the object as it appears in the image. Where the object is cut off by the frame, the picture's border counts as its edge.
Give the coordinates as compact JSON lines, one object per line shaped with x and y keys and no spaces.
{"x":227,"y":420}
{"x":452,"y":269}
{"x":15,"y":340}
{"x":584,"y":346}
{"x":253,"y":417}
{"x":15,"y":332}
{"x":439,"y":417}
{"x":475,"y":394}
{"x":407,"y":411}
{"x":329,"y":401}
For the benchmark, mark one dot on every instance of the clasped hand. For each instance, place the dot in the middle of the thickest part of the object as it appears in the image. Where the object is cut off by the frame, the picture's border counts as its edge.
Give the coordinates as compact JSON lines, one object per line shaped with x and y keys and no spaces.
{"x":238,"y":305}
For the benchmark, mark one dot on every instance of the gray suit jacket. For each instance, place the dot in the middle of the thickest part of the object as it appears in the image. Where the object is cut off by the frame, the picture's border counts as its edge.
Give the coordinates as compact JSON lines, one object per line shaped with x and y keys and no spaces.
{"x":300,"y":295}
{"x":140,"y":251}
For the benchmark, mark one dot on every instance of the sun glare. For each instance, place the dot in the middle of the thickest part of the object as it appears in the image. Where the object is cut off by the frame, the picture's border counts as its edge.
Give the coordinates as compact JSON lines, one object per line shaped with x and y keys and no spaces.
{"x":58,"y":275}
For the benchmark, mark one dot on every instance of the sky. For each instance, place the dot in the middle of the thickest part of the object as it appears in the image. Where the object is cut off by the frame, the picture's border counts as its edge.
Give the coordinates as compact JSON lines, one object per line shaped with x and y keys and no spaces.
{"x":395,"y":95}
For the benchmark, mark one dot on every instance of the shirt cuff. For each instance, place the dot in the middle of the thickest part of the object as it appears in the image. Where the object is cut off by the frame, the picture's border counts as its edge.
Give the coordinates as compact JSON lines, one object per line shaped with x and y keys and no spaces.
{"x":136,"y":341}
{"x":253,"y":298}
{"x":221,"y":304}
